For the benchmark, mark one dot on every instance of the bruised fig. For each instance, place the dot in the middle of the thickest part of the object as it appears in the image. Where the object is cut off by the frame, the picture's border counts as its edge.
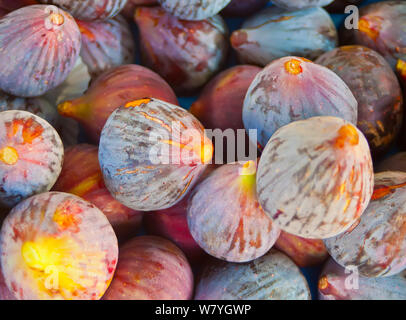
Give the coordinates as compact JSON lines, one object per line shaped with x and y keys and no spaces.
{"x":376,"y":89}
{"x":397,"y":162}
{"x":304,"y":252}
{"x":300,"y":4}
{"x":90,"y":9}
{"x":243,"y":8}
{"x":39,"y":48}
{"x":194,"y":9}
{"x":315,"y":177}
{"x":337,"y":283}
{"x":152,"y":153}
{"x":106,"y":44}
{"x":81,"y":176}
{"x":112,"y":90}
{"x":272,"y":277}
{"x":185,"y":53}
{"x":291,"y":89}
{"x":274,"y":33}
{"x":376,"y":245}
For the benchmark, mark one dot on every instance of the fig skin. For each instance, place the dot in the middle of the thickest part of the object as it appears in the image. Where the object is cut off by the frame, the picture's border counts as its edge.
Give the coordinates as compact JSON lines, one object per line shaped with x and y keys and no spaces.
{"x":53,"y":42}
{"x":291,"y":89}
{"x":397,"y":162}
{"x":89,"y":10}
{"x":300,"y":4}
{"x":304,"y":252}
{"x":185,"y":53}
{"x":31,"y":156}
{"x":376,"y":89}
{"x":112,"y":90}
{"x":315,"y":177}
{"x":151,"y":268}
{"x":81,"y":176}
{"x":243,"y":8}
{"x":376,"y":245}
{"x":275,"y":33}
{"x":151,"y":154}
{"x":193,"y":9}
{"x":57,"y":246}
{"x":106,"y":44}
{"x":272,"y":277}
{"x":336,"y":284}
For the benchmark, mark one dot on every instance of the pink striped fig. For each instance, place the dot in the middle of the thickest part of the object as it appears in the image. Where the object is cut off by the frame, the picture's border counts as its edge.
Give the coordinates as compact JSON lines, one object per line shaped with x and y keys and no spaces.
{"x":151,"y":268}
{"x":272,"y":277}
{"x":39,"y":47}
{"x":57,"y":246}
{"x":377,"y":243}
{"x":112,"y":90}
{"x":31,"y":156}
{"x":194,"y":9}
{"x":106,"y":44}
{"x":315,"y":177}
{"x":185,"y":53}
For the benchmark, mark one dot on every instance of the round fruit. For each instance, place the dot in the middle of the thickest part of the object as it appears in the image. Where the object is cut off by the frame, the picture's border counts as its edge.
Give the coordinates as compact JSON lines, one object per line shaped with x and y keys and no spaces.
{"x":39,"y":47}
{"x":57,"y":246}
{"x":151,"y":153}
{"x":271,"y":277}
{"x":31,"y":155}
{"x":194,"y":9}
{"x":291,"y":89}
{"x":315,"y":177}
{"x":151,"y":268}
{"x":376,"y":245}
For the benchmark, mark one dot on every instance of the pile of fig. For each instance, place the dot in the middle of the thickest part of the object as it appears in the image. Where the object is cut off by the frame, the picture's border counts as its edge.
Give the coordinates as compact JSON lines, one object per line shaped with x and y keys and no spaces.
{"x":202,"y":150}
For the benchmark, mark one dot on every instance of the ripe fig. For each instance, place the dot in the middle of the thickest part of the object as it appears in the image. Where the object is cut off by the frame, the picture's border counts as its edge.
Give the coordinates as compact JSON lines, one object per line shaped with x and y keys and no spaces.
{"x":194,"y":9}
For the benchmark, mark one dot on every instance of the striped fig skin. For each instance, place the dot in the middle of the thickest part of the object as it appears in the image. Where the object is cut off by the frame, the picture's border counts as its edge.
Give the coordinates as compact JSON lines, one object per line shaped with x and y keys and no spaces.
{"x":225,"y":218}
{"x":151,"y":268}
{"x":89,"y":10}
{"x":274,"y":33}
{"x":151,"y":153}
{"x":61,"y":236}
{"x":376,"y":89}
{"x":304,"y":252}
{"x":112,"y":90}
{"x":243,"y":8}
{"x":194,"y":9}
{"x":315,"y":177}
{"x":272,"y":277}
{"x":81,"y":176}
{"x":185,"y":53}
{"x":300,"y":4}
{"x":39,"y":49}
{"x":106,"y":44}
{"x":397,"y":162}
{"x":336,"y":284}
{"x":5,"y":293}
{"x":31,"y":156}
{"x":291,"y":89}
{"x":377,"y":245}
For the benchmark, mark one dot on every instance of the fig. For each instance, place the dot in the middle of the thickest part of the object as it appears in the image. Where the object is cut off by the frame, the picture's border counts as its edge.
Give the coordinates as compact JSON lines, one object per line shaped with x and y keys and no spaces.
{"x":220,"y":107}
{"x":376,"y":89}
{"x":111,"y":90}
{"x":31,"y":155}
{"x":106,"y":44}
{"x":376,"y":245}
{"x":272,"y":277}
{"x":225,"y":218}
{"x":396,"y":162}
{"x":337,"y":284}
{"x":185,"y":53}
{"x":274,"y":33}
{"x":291,"y":89}
{"x":57,"y":246}
{"x":304,"y":252}
{"x":81,"y":176}
{"x":151,"y":268}
{"x":89,"y":10}
{"x":39,"y":48}
{"x":243,"y":8}
{"x":300,"y":4}
{"x":315,"y":177}
{"x":194,"y":9}
{"x":151,"y":154}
